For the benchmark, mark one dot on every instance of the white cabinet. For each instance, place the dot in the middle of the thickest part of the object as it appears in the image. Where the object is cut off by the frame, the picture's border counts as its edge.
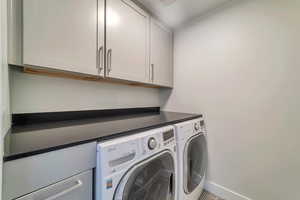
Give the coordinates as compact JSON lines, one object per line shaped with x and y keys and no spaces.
{"x":161,"y":54}
{"x":63,"y":34}
{"x":110,"y":38}
{"x":127,"y":41}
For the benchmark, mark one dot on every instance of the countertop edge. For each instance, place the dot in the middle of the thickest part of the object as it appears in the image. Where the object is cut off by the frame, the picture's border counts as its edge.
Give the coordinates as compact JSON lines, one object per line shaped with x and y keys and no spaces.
{"x":112,"y":136}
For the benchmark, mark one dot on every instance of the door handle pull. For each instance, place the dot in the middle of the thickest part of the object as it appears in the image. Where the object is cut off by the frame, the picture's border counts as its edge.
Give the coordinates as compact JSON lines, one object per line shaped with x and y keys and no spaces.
{"x":109,"y":55}
{"x":76,"y":186}
{"x":100,"y":59}
{"x":152,"y":72}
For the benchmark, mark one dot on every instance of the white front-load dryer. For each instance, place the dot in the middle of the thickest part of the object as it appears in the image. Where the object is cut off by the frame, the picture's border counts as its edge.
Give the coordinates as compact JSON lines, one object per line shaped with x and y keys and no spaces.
{"x":138,"y":167}
{"x":192,"y":158}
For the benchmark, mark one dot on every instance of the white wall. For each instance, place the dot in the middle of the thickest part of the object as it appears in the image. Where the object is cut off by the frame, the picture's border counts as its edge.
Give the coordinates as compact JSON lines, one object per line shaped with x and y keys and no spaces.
{"x":240,"y":66}
{"x":32,"y":93}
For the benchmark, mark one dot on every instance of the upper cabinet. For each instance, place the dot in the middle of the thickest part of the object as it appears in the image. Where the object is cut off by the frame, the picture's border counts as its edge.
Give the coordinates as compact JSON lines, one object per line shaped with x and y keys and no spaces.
{"x":161,"y":54}
{"x":62,"y":34}
{"x":127,"y":36}
{"x":115,"y":39}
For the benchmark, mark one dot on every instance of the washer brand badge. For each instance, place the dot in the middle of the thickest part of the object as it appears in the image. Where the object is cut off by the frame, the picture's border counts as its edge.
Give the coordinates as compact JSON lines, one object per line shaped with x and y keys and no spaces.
{"x":109,"y":184}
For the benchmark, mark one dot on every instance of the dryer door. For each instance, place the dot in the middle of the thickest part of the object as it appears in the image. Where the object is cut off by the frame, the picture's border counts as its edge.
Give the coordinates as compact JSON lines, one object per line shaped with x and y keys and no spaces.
{"x":195,"y":162}
{"x":152,"y":179}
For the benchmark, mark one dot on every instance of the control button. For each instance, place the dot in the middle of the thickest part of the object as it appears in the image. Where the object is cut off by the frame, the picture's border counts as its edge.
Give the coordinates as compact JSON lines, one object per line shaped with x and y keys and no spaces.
{"x":152,"y":143}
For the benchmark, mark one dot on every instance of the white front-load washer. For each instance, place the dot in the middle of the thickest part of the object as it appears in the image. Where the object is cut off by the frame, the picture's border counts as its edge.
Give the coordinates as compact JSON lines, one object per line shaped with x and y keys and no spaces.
{"x":138,"y":167}
{"x":192,"y":158}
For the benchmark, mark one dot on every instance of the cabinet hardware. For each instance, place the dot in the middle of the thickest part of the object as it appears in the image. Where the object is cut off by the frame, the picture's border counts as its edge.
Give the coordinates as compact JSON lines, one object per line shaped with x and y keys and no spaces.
{"x":100,"y":59}
{"x":152,"y":72}
{"x":78,"y":185}
{"x":109,"y":54}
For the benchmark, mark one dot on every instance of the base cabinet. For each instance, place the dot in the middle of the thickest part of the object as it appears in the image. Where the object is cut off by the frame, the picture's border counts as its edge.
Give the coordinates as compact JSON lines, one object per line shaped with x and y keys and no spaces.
{"x":78,"y":187}
{"x":60,"y":173}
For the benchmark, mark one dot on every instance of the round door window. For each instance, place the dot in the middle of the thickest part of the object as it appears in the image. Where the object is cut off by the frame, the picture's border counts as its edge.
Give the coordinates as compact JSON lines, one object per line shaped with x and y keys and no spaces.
{"x":195,"y":162}
{"x":153,"y":180}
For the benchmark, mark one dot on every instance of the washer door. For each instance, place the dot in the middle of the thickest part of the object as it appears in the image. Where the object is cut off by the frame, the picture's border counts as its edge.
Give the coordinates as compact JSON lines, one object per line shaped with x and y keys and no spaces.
{"x":152,"y":179}
{"x":195,"y":162}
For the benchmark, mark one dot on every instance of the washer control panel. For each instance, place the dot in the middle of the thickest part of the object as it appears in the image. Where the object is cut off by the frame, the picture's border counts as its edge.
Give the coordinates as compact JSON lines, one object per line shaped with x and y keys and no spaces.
{"x":160,"y":138}
{"x":168,"y":137}
{"x":151,"y":143}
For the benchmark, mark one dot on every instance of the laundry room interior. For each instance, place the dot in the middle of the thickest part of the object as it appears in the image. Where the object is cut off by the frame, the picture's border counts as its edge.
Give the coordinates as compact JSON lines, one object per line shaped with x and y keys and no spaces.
{"x":149,"y":99}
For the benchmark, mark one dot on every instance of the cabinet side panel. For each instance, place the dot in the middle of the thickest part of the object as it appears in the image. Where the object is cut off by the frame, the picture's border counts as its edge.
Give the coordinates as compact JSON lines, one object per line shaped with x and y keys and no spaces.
{"x":15,"y":32}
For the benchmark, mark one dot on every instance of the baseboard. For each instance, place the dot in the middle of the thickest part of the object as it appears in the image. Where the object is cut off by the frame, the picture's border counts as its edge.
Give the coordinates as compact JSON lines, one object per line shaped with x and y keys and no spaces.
{"x":224,"y":192}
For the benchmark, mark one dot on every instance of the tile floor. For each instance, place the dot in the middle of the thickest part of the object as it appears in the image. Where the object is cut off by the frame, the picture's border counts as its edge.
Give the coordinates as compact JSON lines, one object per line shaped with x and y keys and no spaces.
{"x":208,"y":196}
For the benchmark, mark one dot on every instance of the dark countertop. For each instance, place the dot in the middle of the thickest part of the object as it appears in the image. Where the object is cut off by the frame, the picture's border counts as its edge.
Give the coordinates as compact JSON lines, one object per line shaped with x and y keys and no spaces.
{"x":29,"y":139}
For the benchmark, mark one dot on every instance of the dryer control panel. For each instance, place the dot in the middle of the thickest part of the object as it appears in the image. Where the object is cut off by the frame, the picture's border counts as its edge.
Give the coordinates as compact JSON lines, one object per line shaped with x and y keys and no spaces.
{"x":187,"y":129}
{"x":199,"y":126}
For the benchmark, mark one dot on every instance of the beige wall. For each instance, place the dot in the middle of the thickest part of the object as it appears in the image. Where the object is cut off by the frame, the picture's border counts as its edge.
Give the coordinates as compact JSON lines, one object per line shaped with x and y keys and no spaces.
{"x":4,"y":88}
{"x":5,"y":108}
{"x":32,"y":93}
{"x":240,"y":66}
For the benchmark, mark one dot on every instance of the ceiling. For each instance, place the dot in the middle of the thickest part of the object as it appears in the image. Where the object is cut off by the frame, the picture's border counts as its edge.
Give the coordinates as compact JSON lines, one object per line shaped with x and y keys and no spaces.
{"x":176,"y":12}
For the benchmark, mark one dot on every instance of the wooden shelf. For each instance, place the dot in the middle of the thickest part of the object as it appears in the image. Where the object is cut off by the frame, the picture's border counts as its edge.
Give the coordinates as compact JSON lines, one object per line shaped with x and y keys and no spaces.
{"x":77,"y":76}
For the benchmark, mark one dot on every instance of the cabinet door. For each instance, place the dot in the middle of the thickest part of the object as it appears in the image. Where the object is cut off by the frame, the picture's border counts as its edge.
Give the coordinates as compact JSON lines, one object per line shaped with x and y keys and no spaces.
{"x":101,"y":37}
{"x":61,"y":34}
{"x":127,"y":41}
{"x":161,"y":54}
{"x":79,"y":187}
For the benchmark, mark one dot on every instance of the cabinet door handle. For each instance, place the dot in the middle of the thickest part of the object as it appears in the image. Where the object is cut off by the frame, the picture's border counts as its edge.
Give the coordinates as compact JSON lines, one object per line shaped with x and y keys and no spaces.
{"x":77,"y":185}
{"x":152,"y":72}
{"x":109,"y":54}
{"x":100,"y":59}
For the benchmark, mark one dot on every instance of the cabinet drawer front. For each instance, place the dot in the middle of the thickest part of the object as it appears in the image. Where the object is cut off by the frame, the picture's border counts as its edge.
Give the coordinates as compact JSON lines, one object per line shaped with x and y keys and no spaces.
{"x":23,"y":176}
{"x":78,"y":187}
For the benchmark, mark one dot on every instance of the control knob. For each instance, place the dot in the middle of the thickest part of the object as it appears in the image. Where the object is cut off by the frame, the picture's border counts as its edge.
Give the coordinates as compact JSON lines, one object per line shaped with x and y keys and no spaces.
{"x":196,"y":126}
{"x":152,"y":143}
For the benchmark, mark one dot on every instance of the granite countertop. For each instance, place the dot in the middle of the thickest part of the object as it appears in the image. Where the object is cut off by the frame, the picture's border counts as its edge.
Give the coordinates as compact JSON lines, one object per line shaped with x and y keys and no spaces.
{"x":30,"y":137}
